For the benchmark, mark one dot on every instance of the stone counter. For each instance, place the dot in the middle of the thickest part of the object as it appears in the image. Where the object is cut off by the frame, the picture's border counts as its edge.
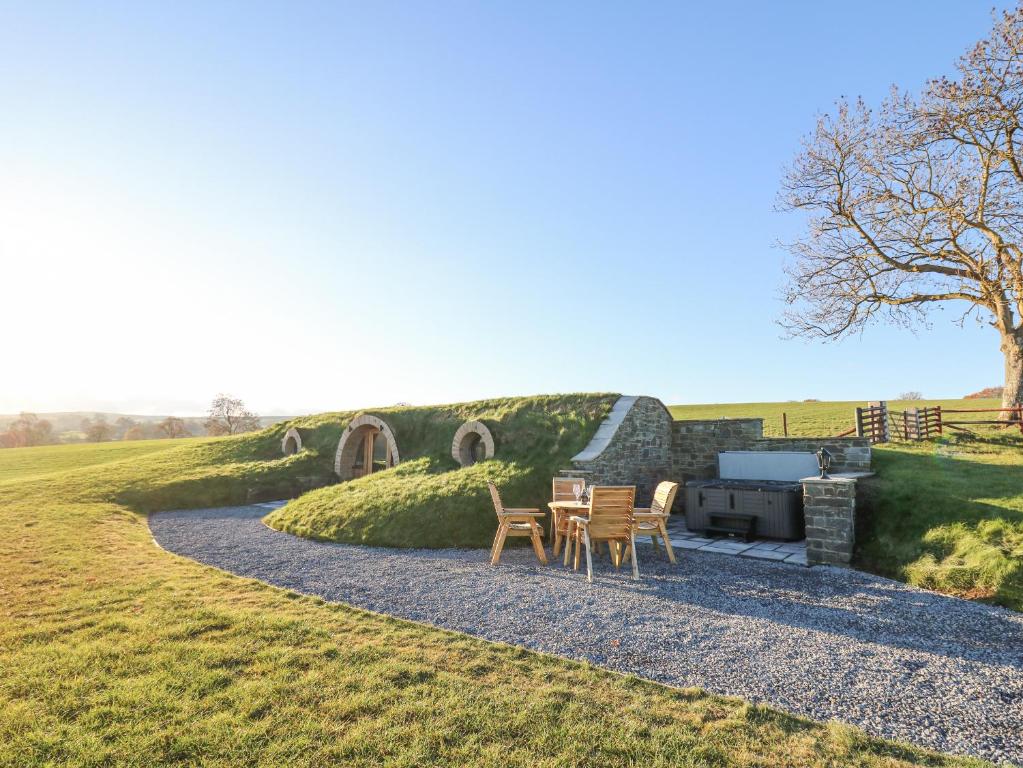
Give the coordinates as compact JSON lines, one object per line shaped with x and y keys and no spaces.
{"x":829,"y":505}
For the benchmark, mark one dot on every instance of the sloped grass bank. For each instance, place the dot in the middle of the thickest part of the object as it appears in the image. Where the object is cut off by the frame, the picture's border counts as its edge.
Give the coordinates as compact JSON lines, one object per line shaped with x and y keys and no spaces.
{"x":948,"y":515}
{"x":428,"y":500}
{"x":117,"y":653}
{"x":20,"y":463}
{"x":189,"y":473}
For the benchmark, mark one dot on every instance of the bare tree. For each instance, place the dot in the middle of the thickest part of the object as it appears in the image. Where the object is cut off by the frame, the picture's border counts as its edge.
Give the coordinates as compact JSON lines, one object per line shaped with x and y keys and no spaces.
{"x":27,"y":429}
{"x":97,"y":430}
{"x":122,"y":424}
{"x":173,"y":427}
{"x":228,"y":416}
{"x":918,"y":205}
{"x":136,"y":432}
{"x":911,"y":395}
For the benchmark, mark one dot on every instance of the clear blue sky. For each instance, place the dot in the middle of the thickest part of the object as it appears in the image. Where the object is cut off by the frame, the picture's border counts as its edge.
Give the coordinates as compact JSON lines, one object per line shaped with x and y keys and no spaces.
{"x":323,"y":206}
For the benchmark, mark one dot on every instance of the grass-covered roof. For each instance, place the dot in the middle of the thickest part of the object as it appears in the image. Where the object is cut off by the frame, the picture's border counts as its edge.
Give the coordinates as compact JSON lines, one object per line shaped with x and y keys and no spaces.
{"x":428,"y":500}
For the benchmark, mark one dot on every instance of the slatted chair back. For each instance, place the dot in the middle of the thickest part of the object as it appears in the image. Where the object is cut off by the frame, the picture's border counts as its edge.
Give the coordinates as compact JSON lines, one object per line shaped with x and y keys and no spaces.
{"x":498,"y":506}
{"x":564,"y":488}
{"x":611,"y":512}
{"x":515,"y":522}
{"x":664,"y":498}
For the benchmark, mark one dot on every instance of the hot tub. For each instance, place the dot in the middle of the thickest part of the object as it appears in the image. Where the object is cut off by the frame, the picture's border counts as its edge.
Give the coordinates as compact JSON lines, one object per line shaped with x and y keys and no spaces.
{"x":763,"y":508}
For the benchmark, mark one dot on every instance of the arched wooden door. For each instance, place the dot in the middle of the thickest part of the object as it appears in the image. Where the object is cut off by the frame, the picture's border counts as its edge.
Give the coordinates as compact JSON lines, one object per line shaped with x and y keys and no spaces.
{"x":372,"y":454}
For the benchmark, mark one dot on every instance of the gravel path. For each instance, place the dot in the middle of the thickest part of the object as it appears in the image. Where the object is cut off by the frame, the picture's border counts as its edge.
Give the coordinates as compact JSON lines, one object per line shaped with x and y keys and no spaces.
{"x":820,"y":642}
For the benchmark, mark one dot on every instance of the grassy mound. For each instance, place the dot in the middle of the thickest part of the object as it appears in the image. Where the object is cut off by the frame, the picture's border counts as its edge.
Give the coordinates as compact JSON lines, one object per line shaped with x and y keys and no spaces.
{"x":115,"y":652}
{"x":428,"y":500}
{"x":948,"y":515}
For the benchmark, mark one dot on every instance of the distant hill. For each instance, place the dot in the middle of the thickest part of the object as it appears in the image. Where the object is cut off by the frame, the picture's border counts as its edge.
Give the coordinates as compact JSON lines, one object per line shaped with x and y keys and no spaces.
{"x":67,"y":425}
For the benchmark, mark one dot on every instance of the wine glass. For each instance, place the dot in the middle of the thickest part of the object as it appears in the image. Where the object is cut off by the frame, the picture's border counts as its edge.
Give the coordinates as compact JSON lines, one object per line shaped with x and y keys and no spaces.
{"x":577,"y":489}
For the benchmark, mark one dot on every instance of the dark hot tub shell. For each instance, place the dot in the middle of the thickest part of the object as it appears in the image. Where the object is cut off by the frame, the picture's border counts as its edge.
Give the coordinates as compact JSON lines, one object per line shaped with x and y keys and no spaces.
{"x":777,"y":505}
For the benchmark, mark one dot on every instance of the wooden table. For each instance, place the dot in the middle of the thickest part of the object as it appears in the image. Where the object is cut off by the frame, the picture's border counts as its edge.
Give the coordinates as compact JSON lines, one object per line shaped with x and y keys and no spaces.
{"x":559,"y":511}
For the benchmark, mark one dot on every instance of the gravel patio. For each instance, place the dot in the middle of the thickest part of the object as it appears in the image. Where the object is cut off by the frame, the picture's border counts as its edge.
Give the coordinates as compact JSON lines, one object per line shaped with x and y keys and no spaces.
{"x":820,"y":642}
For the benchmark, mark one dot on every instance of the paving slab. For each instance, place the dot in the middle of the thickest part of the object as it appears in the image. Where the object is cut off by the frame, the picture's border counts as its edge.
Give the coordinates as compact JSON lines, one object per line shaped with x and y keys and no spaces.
{"x":687,"y":544}
{"x":769,"y":545}
{"x":726,"y":547}
{"x":764,"y":554}
{"x":799,"y":546}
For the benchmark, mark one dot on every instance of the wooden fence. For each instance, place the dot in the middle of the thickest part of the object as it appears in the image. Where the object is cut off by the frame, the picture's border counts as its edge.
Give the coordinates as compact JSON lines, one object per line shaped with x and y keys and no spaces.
{"x":962,"y":424}
{"x":876,"y":423}
{"x":872,"y":422}
{"x":917,"y":423}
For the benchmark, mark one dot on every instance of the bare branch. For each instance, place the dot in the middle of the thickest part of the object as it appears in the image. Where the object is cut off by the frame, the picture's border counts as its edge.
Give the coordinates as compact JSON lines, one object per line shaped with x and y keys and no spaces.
{"x":918,"y":204}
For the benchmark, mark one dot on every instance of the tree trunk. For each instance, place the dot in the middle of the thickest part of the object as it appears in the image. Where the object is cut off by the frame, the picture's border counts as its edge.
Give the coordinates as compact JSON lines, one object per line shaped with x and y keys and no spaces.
{"x":1012,"y":396}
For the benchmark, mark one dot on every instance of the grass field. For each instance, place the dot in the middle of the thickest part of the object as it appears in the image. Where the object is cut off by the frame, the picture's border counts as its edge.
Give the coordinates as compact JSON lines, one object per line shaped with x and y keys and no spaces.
{"x":117,"y":653}
{"x":22,"y":463}
{"x":817,"y":418}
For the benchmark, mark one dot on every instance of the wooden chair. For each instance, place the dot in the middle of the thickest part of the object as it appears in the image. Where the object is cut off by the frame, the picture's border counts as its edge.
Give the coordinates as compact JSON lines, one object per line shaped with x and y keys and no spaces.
{"x":611,"y":519}
{"x":563,"y":489}
{"x":652,"y":521}
{"x":515,"y":522}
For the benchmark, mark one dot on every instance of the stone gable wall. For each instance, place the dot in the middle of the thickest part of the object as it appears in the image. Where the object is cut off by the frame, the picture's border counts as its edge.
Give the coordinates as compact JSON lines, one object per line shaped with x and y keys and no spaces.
{"x":638,"y":454}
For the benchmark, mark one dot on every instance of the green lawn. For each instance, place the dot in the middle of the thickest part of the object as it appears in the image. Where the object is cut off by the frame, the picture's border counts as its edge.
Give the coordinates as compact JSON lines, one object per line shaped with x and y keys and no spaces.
{"x":20,"y":463}
{"x":948,"y":515}
{"x":115,"y":652}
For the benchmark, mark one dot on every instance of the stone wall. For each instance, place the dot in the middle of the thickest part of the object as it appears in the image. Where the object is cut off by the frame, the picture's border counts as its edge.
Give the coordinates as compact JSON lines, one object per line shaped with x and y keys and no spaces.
{"x":637,"y":452}
{"x":830,"y":508}
{"x":639,"y":444}
{"x":695,"y":445}
{"x":850,"y":454}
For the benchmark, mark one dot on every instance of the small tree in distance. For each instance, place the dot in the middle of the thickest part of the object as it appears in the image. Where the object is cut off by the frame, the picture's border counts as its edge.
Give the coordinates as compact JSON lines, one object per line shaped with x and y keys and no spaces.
{"x":124,"y":424}
{"x":911,"y":395}
{"x":27,"y":429}
{"x":229,"y":416}
{"x":97,"y":430}
{"x":172,"y":427}
{"x":135,"y":432}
